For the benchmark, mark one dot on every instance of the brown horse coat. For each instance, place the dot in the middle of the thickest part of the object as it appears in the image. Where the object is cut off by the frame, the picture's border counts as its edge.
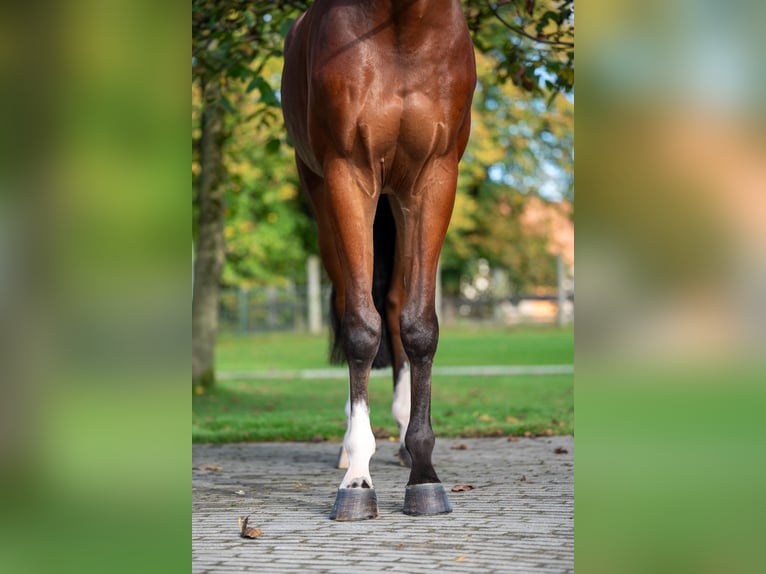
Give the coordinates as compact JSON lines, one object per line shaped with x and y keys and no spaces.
{"x":376,"y":98}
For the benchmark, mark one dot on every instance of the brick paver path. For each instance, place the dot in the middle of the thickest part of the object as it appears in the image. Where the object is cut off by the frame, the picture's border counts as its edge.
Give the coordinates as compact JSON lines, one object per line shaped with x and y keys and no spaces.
{"x":518,"y":518}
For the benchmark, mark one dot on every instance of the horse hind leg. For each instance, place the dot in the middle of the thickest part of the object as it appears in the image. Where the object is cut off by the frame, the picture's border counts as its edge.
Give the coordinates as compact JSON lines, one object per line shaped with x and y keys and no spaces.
{"x":351,"y":214}
{"x":400,"y":409}
{"x":356,"y":498}
{"x":342,"y":462}
{"x":400,"y":406}
{"x":425,"y":226}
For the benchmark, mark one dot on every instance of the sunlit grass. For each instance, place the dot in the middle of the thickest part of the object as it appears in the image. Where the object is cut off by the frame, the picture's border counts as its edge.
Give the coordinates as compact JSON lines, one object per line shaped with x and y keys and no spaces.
{"x":312,"y":409}
{"x":471,"y":346}
{"x":297,"y":409}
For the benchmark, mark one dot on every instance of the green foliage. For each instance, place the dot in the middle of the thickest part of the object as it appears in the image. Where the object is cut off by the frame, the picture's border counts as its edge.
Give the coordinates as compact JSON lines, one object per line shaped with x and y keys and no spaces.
{"x":520,"y":149}
{"x":268,"y":227}
{"x":235,"y":38}
{"x":529,"y":39}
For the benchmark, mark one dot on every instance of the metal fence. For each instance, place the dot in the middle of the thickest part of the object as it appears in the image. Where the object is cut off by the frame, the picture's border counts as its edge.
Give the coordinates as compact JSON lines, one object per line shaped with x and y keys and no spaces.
{"x":273,"y":309}
{"x":267,"y":309}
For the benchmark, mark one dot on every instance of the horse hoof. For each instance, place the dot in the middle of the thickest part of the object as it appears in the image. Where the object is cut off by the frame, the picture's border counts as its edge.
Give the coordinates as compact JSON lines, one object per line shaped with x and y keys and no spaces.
{"x":355,"y":504}
{"x":404,"y":457}
{"x":426,"y":499}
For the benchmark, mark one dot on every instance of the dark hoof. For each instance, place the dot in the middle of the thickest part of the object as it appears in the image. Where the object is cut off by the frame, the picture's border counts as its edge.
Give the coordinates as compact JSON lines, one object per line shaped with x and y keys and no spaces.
{"x":426,"y":499}
{"x":355,"y":504}
{"x":404,"y":457}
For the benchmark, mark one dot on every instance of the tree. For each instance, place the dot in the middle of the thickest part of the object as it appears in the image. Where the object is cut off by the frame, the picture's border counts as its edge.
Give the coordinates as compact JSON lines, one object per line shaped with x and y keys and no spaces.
{"x":231,"y":40}
{"x":531,"y":40}
{"x":209,"y":248}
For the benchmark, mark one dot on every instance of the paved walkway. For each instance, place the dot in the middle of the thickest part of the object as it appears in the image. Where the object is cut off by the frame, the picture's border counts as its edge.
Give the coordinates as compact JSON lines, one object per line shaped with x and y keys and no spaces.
{"x":518,"y":518}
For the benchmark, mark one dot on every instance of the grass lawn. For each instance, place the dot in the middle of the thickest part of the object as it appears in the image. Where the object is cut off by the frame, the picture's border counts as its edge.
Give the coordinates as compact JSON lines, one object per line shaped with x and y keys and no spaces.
{"x":467,"y":346}
{"x":284,"y":409}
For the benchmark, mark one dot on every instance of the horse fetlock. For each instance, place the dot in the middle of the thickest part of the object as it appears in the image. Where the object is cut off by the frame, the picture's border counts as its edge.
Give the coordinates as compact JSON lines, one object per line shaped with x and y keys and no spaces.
{"x":420,"y":439}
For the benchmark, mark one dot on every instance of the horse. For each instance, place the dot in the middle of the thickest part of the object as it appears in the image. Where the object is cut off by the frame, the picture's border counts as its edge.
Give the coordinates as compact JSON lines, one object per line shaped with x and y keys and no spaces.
{"x":376,"y":97}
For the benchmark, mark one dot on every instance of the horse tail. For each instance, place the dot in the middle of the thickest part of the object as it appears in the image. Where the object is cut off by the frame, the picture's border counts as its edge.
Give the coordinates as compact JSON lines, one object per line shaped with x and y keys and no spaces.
{"x":384,"y":247}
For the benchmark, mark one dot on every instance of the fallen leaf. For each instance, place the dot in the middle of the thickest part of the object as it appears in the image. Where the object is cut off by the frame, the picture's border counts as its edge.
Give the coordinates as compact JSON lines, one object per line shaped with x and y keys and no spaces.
{"x":299,"y":484}
{"x":460,"y":446}
{"x":513,"y":439}
{"x":380,"y":432}
{"x":459,"y":558}
{"x":462,"y":487}
{"x":527,"y":434}
{"x":393,"y":439}
{"x":549,"y":432}
{"x":511,"y":419}
{"x":560,"y":450}
{"x":199,"y":390}
{"x":208,"y":467}
{"x":317,"y":438}
{"x":247,"y":532}
{"x":523,"y":478}
{"x":485,"y":418}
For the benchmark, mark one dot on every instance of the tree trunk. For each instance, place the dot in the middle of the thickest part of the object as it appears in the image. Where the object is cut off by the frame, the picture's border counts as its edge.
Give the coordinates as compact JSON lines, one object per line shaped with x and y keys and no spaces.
{"x":210,"y":240}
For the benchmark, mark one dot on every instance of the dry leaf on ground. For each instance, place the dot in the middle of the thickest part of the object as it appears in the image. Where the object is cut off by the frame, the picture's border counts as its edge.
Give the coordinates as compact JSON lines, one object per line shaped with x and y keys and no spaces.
{"x":460,"y":446}
{"x":462,"y":487}
{"x":245,"y":531}
{"x":560,"y":450}
{"x":208,"y":467}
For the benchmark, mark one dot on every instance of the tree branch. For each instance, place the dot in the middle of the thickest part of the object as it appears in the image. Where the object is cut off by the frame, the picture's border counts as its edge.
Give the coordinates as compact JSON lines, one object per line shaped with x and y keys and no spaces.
{"x":521,"y":32}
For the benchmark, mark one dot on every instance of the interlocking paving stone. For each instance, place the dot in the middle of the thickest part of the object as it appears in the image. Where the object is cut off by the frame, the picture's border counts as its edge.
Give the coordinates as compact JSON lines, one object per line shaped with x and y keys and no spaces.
{"x":518,"y":518}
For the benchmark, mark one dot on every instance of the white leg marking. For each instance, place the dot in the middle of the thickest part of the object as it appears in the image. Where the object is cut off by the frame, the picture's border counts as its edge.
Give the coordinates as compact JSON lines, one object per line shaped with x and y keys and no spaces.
{"x":360,"y":445}
{"x":343,"y":457}
{"x":400,"y":409}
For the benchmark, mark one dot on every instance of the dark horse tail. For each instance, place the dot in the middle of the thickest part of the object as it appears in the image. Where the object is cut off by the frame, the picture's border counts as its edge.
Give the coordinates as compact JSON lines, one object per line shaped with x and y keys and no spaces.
{"x":384,"y":244}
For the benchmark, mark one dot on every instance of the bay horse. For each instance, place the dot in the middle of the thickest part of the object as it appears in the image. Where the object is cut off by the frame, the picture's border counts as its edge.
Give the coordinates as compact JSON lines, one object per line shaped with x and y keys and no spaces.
{"x":376,"y":97}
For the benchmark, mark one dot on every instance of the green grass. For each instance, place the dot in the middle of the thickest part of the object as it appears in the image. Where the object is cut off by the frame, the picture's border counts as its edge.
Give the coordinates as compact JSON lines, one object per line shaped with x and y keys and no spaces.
{"x":475,"y":346}
{"x":284,"y":409}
